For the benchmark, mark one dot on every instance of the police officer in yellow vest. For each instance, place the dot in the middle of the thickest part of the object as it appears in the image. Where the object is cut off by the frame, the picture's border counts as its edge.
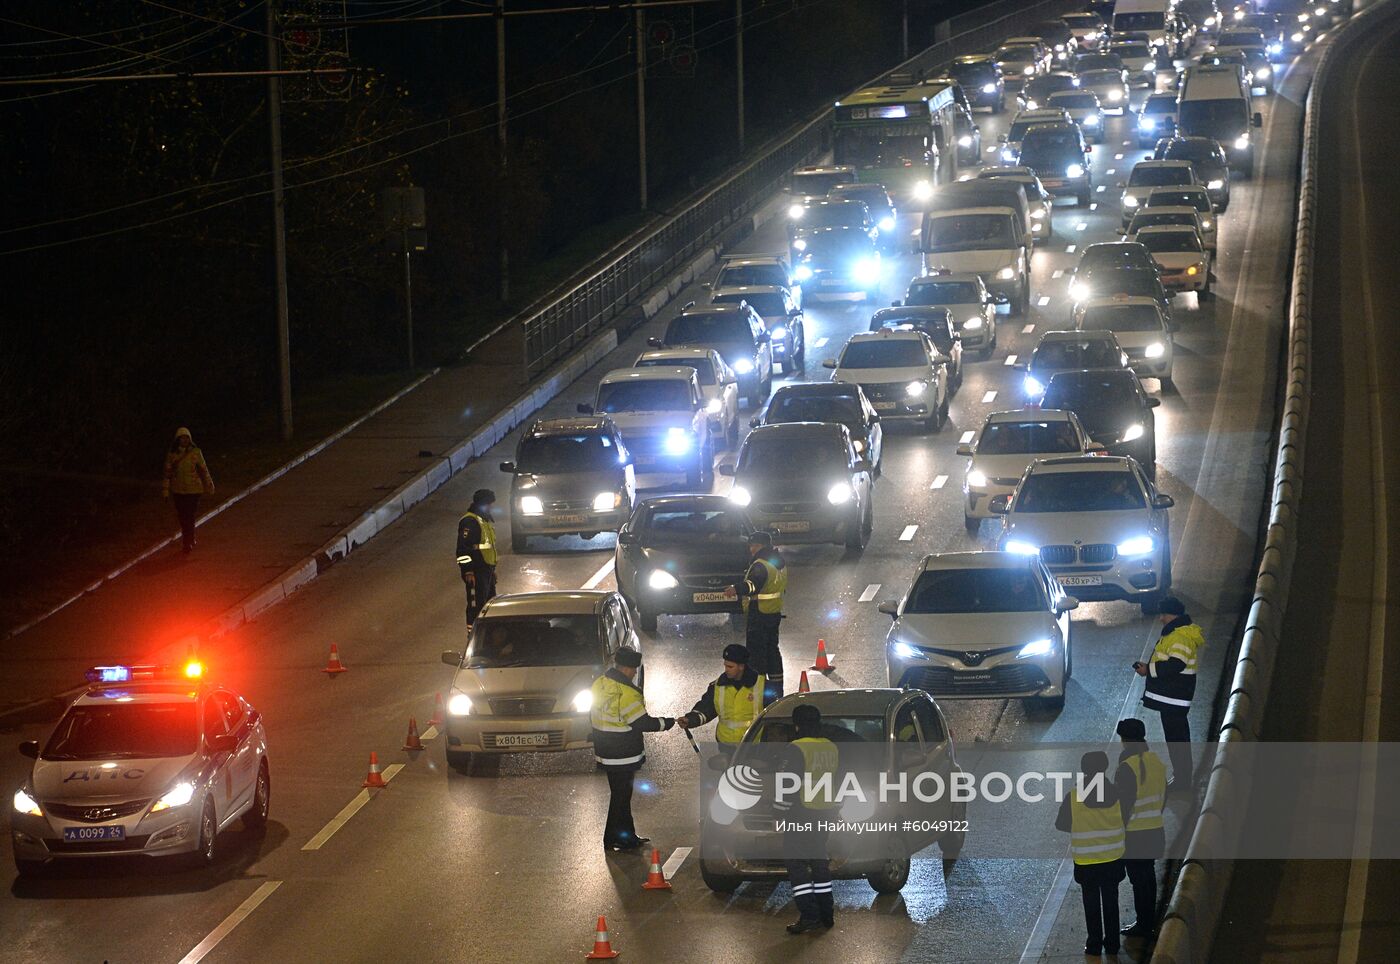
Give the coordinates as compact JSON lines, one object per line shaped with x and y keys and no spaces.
{"x":762,"y":592}
{"x":1171,"y":683}
{"x":732,"y":700}
{"x":476,"y":552}
{"x":1097,"y":828}
{"x":619,"y":718}
{"x":804,"y":852}
{"x":1141,"y":779}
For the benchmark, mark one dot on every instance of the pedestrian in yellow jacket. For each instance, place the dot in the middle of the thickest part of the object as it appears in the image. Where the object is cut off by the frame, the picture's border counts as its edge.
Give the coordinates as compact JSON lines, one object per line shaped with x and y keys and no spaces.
{"x":186,"y":479}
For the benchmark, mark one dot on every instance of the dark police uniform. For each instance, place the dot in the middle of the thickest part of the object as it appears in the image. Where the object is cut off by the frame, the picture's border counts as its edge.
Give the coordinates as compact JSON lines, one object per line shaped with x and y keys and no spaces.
{"x":1171,"y":684}
{"x":619,"y":718}
{"x":476,"y":553}
{"x":762,"y":593}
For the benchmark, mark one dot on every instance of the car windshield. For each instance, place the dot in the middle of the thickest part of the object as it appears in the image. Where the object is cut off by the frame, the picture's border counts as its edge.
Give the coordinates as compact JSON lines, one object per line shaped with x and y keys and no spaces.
{"x":742,"y":275}
{"x":944,"y":293}
{"x":1240,"y":38}
{"x":1082,"y":21}
{"x":1122,"y":318}
{"x":709,"y":329}
{"x":1222,"y":119}
{"x":1144,"y":20}
{"x":1019,"y":128}
{"x":1145,"y":219}
{"x":499,"y":642}
{"x":1028,"y":438}
{"x":1195,"y":152}
{"x":1079,"y":492}
{"x":550,"y":454}
{"x":844,"y":215}
{"x":1044,"y":148}
{"x":866,"y":147}
{"x":1091,"y":78}
{"x":872,"y":195}
{"x":1155,"y":176}
{"x":939,"y":591}
{"x":1075,"y":100}
{"x":124,"y":731}
{"x":1180,"y":199}
{"x":837,"y":729}
{"x":1132,"y":50}
{"x":703,"y":369}
{"x":884,"y":353}
{"x":1165,"y":242}
{"x":837,"y":243}
{"x":644,"y":395}
{"x":818,"y":182}
{"x":1063,"y":354}
{"x":1101,"y":403}
{"x":1016,"y":52}
{"x":792,"y":407}
{"x":1159,"y":105}
{"x":775,"y":455}
{"x":971,"y":231}
{"x":974,"y":74}
{"x":673,"y":524}
{"x":1098,"y":257}
{"x":767,"y":303}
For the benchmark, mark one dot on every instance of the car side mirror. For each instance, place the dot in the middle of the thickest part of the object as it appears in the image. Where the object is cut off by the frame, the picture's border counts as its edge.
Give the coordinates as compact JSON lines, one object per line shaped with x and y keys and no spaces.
{"x":890,"y":607}
{"x":965,"y":449}
{"x":29,"y":748}
{"x":508,"y":467}
{"x":1095,"y":448}
{"x":1000,"y":505}
{"x":1257,"y":120}
{"x":1153,"y":402}
{"x":829,"y":363}
{"x":1001,"y":138}
{"x":753,"y":422}
{"x":896,"y":304}
{"x":726,"y":469}
{"x":1066,"y":604}
{"x":222,"y":742}
{"x":655,"y":342}
{"x":1000,"y":298}
{"x":875,"y":418}
{"x":705,"y":285}
{"x":584,"y":409}
{"x":1163,"y":502}
{"x":451,"y":657}
{"x":627,"y":537}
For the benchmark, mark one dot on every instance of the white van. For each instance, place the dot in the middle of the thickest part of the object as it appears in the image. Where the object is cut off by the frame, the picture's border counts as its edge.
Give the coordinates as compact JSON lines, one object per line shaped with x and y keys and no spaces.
{"x":1216,"y":102}
{"x":1156,"y":18}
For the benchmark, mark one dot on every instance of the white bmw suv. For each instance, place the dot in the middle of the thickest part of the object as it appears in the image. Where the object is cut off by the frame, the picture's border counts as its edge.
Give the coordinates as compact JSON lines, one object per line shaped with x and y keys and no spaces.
{"x":1097,"y":523}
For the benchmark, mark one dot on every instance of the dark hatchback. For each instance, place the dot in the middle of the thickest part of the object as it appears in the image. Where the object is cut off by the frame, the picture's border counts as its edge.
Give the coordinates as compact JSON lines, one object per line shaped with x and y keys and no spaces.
{"x":1207,"y":158}
{"x":1114,"y":409}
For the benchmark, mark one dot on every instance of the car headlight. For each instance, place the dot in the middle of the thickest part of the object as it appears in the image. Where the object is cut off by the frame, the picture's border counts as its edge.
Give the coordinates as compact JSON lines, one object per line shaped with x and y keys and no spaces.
{"x":1129,"y":201}
{"x":1262,"y":72}
{"x":1074,"y":170}
{"x":1078,"y":290}
{"x":1242,"y":142}
{"x":678,"y":441}
{"x":972,"y":324}
{"x":1115,"y":95}
{"x":24,"y":803}
{"x":866,"y":270}
{"x":1215,"y":185}
{"x":744,"y":365}
{"x":459,"y":704}
{"x":531,"y":505}
{"x":1147,"y":123}
{"x":1136,"y":546}
{"x":714,"y":406}
{"x":583,"y":701}
{"x":1205,"y":225}
{"x":740,"y":496}
{"x":1007,"y":273}
{"x":177,"y":796}
{"x":1297,"y":37}
{"x":915,"y":389}
{"x":606,"y":501}
{"x":1319,"y":11}
{"x":887,"y":223}
{"x":1134,"y":432}
{"x":1303,"y":17}
{"x":904,"y":651}
{"x":858,"y":444}
{"x":989,"y":88}
{"x":1157,"y":349}
{"x":780,"y":332}
{"x":1032,"y":105}
{"x":1210,"y":21}
{"x":976,"y":479}
{"x":1038,"y":214}
{"x":1274,"y":48}
{"x":923,"y":189}
{"x":1007,"y":154}
{"x":1022,"y":548}
{"x":964,"y":141}
{"x":839,"y":493}
{"x":661,"y":579}
{"x":801,"y":273}
{"x":795,"y":212}
{"x":799,"y":244}
{"x":1032,"y":385}
{"x":1091,"y":121}
{"x":1039,"y":647}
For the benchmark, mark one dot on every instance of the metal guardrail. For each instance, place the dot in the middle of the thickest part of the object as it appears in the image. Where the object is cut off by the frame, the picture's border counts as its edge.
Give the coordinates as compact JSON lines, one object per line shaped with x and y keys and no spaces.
{"x":1194,"y":909}
{"x":566,"y":318}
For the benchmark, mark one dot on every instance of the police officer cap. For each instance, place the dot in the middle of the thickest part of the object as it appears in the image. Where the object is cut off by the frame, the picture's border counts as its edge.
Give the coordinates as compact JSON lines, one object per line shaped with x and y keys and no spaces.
{"x":1132,"y":729}
{"x":628,"y":657}
{"x":736,"y":653}
{"x":1172,"y":606}
{"x":761,"y":538}
{"x":483,"y":497}
{"x":806,"y":716}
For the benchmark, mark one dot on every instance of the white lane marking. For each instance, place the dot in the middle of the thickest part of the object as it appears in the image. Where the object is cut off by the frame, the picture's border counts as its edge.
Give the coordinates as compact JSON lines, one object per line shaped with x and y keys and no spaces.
{"x":1069,"y":248}
{"x":604,"y":571}
{"x":990,"y":397}
{"x":1094,"y":206}
{"x":870,"y":592}
{"x":1010,"y":360}
{"x":673,"y":862}
{"x":1118,"y":157}
{"x":1027,"y":329}
{"x":939,"y":481}
{"x":1058,"y":273}
{"x":348,"y":811}
{"x":908,"y":534}
{"x":1043,"y":301}
{"x":225,"y":928}
{"x":1127,"y":144}
{"x":967,"y":436}
{"x":429,"y":734}
{"x":1111,"y":170}
{"x":820,"y":342}
{"x":1081,"y":226}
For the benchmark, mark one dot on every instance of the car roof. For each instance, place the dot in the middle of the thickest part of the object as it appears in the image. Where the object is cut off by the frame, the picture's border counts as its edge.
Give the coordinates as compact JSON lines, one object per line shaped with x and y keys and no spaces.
{"x":935,"y":278}
{"x":796,"y":428}
{"x":1175,"y":162}
{"x":1028,"y":415}
{"x":848,"y":702}
{"x":819,"y":389}
{"x":659,"y":373}
{"x":1058,"y":125}
{"x":867,"y":187}
{"x":552,"y":602}
{"x":694,"y":499}
{"x":682,"y":351}
{"x":726,"y":308}
{"x":746,"y":260}
{"x":1118,"y":301}
{"x":144,"y":691}
{"x":888,"y":334}
{"x":1081,"y":463}
{"x":994,"y":173}
{"x":1167,"y":209}
{"x":975,"y":559}
{"x":931,"y":312}
{"x":1167,"y":188}
{"x":825,"y":169}
{"x":1165,"y":229}
{"x":748,"y":290}
{"x":1027,"y":39}
{"x":1005,"y":209}
{"x":570,"y":425}
{"x":1110,"y":247}
{"x":1092,"y":334}
{"x":1049,"y":113}
{"x":1162,"y":97}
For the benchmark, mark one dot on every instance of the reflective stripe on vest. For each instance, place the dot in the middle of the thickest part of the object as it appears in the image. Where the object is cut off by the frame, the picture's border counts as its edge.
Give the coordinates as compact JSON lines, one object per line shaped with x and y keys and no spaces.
{"x":1181,"y":643}
{"x":1096,"y":833}
{"x":615,"y":706}
{"x":820,"y":758}
{"x":487,"y":545}
{"x":770,"y":600}
{"x":1151,"y":776}
{"x":735,"y":708}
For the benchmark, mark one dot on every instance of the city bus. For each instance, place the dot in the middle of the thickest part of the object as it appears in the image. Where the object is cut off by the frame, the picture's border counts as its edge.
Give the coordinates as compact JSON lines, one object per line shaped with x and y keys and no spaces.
{"x":899,"y":136}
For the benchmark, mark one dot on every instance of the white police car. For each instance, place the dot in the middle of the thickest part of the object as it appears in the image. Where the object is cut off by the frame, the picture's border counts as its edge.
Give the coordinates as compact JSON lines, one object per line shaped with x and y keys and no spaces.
{"x":148,"y":761}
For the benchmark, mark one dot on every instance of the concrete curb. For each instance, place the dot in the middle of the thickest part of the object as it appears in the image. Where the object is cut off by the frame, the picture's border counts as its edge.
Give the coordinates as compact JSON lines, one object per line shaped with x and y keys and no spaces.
{"x":1198,"y":898}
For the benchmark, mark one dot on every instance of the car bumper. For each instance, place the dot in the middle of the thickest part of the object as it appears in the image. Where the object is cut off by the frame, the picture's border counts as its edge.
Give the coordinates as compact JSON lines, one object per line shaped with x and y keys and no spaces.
{"x":905,"y":411}
{"x":1125,"y":579}
{"x":1152,"y":367}
{"x":683,"y":600}
{"x":983,"y":99}
{"x":174,"y":831}
{"x":1065,"y":186}
{"x":1181,"y":281}
{"x":1011,"y":287}
{"x":836,"y":283}
{"x":479,"y":734}
{"x":976,"y":501}
{"x":975,"y":338}
{"x":1006,"y":678}
{"x":805,"y":527}
{"x":568,"y":523}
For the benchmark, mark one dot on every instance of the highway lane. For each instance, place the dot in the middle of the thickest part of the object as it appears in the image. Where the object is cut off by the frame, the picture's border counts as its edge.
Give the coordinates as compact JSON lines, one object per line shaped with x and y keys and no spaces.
{"x":508,"y":857}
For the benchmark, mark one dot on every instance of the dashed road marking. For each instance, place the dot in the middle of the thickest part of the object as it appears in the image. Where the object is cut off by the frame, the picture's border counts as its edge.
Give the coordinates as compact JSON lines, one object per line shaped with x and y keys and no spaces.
{"x":820,"y":342}
{"x":429,"y":734}
{"x":603,"y":572}
{"x":226,"y":927}
{"x":1069,"y":248}
{"x":1082,"y":226}
{"x":1058,"y":273}
{"x":908,"y":534}
{"x":673,"y":862}
{"x":1119,"y":157}
{"x":967,"y":436}
{"x":940,"y":481}
{"x":1111,"y":170}
{"x":1127,"y":143}
{"x":990,"y":397}
{"x":1027,"y":329}
{"x":870,"y":592}
{"x":1010,"y":360}
{"x":348,"y":811}
{"x":1043,"y":301}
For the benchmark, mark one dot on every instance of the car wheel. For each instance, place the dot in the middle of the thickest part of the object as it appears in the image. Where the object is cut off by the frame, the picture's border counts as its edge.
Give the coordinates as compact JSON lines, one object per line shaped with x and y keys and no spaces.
{"x":720,"y":883}
{"x":1150,"y":603}
{"x":855,"y":537}
{"x":973,"y":526}
{"x":1166,"y":382}
{"x":519,"y":541}
{"x":255,"y":818}
{"x":28,"y":868}
{"x":891,"y":877}
{"x":1052,"y":703}
{"x":951,"y":843}
{"x":646,"y":620}
{"x":1084,"y":199}
{"x":1069,"y":657}
{"x":459,"y":760}
{"x":732,"y":435}
{"x":208,"y":836}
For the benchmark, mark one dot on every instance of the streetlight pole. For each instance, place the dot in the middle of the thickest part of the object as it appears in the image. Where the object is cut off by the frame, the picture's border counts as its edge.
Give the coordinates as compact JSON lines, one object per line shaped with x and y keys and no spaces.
{"x":279,"y":223}
{"x":640,"y":16}
{"x":502,"y":204}
{"x":905,"y":46}
{"x":739,"y":60}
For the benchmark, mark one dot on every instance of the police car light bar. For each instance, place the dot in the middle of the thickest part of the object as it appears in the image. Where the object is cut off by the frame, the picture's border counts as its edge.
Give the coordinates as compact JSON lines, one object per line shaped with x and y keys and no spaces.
{"x":101,"y":675}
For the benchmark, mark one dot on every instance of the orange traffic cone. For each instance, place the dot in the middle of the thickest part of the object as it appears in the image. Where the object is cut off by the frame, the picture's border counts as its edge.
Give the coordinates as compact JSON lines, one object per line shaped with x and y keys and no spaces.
{"x":656,"y":880}
{"x":333,"y":665}
{"x":375,"y":779}
{"x":823,"y":664}
{"x":602,"y":947}
{"x":437,"y":712}
{"x":802,"y":685}
{"x":412,"y":742}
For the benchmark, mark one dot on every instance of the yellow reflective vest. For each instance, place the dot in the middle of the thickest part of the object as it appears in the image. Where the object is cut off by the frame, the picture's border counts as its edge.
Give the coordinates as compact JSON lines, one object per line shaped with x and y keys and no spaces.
{"x":485,"y":549}
{"x":820,"y":757}
{"x":1169,"y":690}
{"x":1096,"y":834}
{"x":1151,"y":776}
{"x":735,"y":709}
{"x":617,"y":704}
{"x":770,"y":597}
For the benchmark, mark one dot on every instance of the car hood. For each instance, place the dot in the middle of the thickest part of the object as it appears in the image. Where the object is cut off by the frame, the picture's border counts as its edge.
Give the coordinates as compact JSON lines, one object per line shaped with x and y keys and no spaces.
{"x":1063,"y":528}
{"x":1141,"y":339}
{"x":77,"y":781}
{"x":811,"y":487}
{"x":561,"y":486}
{"x":634,"y":423}
{"x":879,"y":376}
{"x":1005,"y":466}
{"x":983,"y":261}
{"x":974,"y":632}
{"x":1176,"y":259}
{"x":696,"y":558}
{"x":557,"y":681}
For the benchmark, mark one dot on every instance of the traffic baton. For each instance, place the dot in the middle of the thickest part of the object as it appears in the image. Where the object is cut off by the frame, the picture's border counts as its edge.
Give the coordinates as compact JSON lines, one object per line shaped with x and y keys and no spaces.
{"x":693,"y":745}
